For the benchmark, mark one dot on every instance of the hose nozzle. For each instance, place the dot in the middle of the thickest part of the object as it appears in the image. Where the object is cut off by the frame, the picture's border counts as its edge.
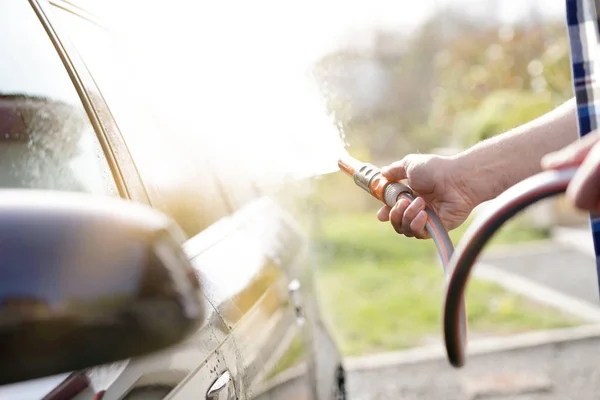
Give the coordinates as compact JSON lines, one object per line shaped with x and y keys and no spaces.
{"x":349,"y":165}
{"x":369,"y":178}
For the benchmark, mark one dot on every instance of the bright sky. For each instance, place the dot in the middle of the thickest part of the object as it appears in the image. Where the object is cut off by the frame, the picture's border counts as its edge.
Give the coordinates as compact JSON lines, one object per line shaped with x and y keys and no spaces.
{"x":20,"y":71}
{"x":319,"y":23}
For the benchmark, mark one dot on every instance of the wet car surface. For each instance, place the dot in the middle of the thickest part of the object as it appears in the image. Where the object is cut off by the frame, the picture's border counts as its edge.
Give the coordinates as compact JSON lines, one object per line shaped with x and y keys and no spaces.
{"x":72,"y":119}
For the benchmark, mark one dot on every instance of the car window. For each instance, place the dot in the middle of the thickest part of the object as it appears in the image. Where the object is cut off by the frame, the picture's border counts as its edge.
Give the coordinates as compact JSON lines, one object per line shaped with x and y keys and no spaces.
{"x":172,"y":164}
{"x":46,"y":139}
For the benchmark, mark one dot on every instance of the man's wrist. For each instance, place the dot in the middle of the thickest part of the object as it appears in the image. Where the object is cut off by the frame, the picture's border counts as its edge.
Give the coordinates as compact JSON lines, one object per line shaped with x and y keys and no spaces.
{"x":480,"y":178}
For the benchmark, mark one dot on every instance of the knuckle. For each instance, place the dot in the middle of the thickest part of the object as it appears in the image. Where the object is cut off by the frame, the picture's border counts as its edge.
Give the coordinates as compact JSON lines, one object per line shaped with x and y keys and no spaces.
{"x":419,"y":233}
{"x":398,"y":229}
{"x":412,"y":211}
{"x":396,"y":217}
{"x":415,"y":227}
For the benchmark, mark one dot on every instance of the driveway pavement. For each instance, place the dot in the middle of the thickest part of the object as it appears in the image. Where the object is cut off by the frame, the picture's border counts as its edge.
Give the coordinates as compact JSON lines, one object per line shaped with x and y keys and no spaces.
{"x":561,"y":371}
{"x":568,"y":369}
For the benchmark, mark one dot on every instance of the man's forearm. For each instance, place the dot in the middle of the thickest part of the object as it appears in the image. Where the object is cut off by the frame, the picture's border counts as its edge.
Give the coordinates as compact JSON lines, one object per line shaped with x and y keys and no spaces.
{"x":492,"y":166}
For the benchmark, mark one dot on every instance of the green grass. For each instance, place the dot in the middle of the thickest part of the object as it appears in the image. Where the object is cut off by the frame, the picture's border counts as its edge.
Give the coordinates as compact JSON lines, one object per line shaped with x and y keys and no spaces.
{"x":382,"y":291}
{"x":290,"y":358}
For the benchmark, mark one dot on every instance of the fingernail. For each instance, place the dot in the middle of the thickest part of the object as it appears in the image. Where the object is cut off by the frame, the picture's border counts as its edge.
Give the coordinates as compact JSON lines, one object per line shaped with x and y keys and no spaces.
{"x":420,"y":202}
{"x":547,"y":159}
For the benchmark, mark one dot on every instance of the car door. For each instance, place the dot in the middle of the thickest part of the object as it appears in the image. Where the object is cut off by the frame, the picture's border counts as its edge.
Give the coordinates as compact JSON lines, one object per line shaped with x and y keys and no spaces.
{"x":244,"y":257}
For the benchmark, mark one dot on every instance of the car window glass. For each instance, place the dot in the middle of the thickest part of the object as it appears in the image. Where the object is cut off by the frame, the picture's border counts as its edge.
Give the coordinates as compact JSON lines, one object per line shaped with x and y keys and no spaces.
{"x":46,"y":138}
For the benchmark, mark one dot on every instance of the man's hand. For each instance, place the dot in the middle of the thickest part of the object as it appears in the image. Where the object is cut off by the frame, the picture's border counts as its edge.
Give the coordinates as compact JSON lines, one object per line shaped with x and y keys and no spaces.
{"x":437,"y":181}
{"x":584,"y":189}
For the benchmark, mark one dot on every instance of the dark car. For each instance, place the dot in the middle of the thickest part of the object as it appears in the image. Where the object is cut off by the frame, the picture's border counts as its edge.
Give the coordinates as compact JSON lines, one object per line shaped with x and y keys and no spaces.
{"x":72,"y":119}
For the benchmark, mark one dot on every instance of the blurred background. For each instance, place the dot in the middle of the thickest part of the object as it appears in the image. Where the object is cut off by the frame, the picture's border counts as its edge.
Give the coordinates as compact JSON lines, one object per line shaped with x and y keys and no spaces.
{"x":437,"y":77}
{"x":455,"y":73}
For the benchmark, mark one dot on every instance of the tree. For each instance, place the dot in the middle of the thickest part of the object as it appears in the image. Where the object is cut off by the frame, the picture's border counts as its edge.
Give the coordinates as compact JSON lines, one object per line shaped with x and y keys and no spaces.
{"x":456,"y":80}
{"x":522,"y":70}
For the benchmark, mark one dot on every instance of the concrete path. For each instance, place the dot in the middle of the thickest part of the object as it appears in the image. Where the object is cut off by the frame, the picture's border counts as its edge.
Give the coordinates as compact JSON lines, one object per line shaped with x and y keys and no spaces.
{"x":557,"y":371}
{"x":560,"y":272}
{"x":557,"y":264}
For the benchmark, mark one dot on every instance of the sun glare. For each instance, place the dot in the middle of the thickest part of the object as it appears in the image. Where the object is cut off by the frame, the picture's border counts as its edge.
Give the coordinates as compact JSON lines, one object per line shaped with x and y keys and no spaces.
{"x":232,"y":81}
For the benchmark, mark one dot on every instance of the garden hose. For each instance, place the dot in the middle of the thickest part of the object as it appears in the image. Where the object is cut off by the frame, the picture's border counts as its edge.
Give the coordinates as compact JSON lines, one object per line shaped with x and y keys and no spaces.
{"x":459,"y":262}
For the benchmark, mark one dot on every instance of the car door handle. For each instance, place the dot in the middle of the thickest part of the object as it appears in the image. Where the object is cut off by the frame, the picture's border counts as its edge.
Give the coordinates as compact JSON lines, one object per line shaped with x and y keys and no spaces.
{"x":221,"y":388}
{"x":296,"y":300}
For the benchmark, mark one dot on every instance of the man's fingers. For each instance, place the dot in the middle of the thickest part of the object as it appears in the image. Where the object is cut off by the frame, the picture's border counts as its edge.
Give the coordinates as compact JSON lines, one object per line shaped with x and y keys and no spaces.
{"x":384,"y":214}
{"x":411,"y":213}
{"x":417,"y":226}
{"x":572,"y":155}
{"x":396,"y":171}
{"x":584,"y":189}
{"x":396,"y":215}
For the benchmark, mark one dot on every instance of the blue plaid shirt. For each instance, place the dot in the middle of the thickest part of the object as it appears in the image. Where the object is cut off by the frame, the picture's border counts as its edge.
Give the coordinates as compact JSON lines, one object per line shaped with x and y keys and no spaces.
{"x":583,"y":21}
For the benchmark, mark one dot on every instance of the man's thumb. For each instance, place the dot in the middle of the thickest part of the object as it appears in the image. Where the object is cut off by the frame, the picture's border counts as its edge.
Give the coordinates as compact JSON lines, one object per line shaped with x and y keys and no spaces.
{"x":572,"y":155}
{"x":396,"y":171}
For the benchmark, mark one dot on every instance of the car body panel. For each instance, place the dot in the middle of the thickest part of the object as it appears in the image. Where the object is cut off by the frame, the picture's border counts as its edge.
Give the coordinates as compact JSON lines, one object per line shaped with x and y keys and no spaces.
{"x":254,"y":300}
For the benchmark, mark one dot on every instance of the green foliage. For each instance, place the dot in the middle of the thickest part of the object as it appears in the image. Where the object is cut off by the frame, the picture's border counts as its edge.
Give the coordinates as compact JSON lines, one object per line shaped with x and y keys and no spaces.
{"x":449,"y":83}
{"x":292,"y":357}
{"x":499,"y":112}
{"x":498,"y":79}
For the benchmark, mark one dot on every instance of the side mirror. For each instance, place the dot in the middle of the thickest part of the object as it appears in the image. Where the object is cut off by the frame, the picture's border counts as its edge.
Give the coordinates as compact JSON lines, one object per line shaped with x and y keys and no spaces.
{"x":88,"y":280}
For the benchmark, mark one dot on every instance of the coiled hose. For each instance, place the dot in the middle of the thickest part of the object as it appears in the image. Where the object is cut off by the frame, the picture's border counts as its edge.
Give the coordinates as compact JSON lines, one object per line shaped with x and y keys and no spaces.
{"x":459,"y":262}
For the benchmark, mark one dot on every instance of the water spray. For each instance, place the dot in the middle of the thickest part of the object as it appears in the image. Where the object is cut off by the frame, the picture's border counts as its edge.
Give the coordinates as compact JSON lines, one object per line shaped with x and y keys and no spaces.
{"x":459,"y":262}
